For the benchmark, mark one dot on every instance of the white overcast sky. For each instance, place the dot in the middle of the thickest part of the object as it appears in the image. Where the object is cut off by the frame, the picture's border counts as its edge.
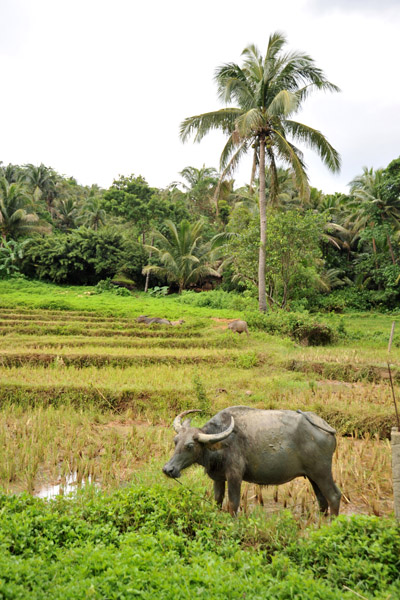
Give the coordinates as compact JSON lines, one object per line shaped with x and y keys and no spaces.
{"x":97,"y":88}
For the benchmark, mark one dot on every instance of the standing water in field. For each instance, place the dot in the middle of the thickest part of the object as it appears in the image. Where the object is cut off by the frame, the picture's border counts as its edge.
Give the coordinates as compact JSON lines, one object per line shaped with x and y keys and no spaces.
{"x":71,"y":485}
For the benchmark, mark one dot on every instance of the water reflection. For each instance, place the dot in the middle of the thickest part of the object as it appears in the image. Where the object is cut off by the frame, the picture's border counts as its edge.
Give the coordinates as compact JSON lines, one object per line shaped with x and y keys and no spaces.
{"x":67,"y":486}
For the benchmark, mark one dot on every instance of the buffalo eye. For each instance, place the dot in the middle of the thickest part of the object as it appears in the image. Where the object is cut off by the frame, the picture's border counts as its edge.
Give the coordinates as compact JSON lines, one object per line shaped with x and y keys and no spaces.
{"x":189,"y":445}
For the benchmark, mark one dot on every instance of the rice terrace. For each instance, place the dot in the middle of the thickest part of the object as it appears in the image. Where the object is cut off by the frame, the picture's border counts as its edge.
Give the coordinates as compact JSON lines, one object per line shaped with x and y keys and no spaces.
{"x":88,"y":396}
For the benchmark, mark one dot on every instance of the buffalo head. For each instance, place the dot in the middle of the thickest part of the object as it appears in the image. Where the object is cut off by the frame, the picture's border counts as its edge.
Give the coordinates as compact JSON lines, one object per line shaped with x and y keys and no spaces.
{"x":189,"y":444}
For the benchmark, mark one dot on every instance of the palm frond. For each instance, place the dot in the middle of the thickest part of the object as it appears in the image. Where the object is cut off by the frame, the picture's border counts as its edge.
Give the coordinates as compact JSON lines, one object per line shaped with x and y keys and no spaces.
{"x":249,"y":122}
{"x":291,"y":156}
{"x":231,"y":156}
{"x":200,"y":125}
{"x":234,"y":85}
{"x":283,"y":104}
{"x":317,"y":141}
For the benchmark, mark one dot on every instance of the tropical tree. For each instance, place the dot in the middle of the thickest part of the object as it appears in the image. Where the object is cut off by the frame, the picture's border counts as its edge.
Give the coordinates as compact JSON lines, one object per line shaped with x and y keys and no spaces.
{"x":42,"y":181}
{"x":17,"y":216}
{"x":11,"y":254}
{"x":92,"y":214}
{"x":129,"y":198}
{"x":66,"y":213}
{"x":200,"y":185}
{"x":184,"y":256}
{"x":267,"y":91}
{"x":12,"y":173}
{"x":390,"y":184}
{"x":293,"y":258}
{"x":373,"y":208}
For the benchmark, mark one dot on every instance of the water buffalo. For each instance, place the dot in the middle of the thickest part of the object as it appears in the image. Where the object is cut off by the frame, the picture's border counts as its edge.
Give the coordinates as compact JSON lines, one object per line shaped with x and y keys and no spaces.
{"x":238,"y":326}
{"x":266,"y":447}
{"x":149,"y":320}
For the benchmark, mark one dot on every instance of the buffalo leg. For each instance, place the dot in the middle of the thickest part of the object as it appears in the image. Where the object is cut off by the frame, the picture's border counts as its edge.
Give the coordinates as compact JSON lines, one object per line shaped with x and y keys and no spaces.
{"x":234,"y":495}
{"x":219,"y":492}
{"x":322,"y":501}
{"x":259,"y":495}
{"x":331,"y":493}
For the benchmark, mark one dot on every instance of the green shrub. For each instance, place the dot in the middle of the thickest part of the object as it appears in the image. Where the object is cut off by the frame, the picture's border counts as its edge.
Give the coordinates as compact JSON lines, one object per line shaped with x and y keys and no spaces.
{"x":158,"y":290}
{"x":83,"y":256}
{"x":163,"y":542}
{"x":314,"y":334}
{"x":120,"y":279}
{"x":106,"y":285}
{"x":299,"y":326}
{"x":246,"y":360}
{"x":352,"y":298}
{"x":360,"y":552}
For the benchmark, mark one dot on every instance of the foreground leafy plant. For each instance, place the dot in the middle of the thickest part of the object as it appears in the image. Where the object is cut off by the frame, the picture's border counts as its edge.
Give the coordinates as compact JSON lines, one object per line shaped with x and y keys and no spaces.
{"x":166,"y":543}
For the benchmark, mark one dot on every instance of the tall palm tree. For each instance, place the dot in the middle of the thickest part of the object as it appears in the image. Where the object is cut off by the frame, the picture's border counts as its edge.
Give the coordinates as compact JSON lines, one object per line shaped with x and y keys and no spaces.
{"x":267,"y":91}
{"x":183,"y":254}
{"x":17,"y":216}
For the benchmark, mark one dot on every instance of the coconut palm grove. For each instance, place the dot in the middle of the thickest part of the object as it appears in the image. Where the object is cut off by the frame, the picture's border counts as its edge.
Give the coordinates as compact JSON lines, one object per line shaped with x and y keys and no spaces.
{"x":130,"y":312}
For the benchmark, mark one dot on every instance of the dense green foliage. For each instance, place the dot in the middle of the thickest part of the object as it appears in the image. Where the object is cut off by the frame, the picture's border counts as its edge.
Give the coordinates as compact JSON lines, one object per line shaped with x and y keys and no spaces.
{"x":185,"y":258}
{"x":300,"y":326}
{"x":293,"y":253}
{"x":332,"y":252}
{"x":134,"y":201}
{"x":83,"y":256}
{"x":166,"y":543}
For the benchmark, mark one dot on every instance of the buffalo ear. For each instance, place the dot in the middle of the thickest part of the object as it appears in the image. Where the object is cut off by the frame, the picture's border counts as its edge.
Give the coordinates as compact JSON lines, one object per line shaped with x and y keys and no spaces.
{"x":186,"y":423}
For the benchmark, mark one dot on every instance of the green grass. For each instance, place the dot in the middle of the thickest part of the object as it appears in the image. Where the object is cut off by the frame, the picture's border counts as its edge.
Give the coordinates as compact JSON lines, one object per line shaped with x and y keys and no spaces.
{"x":373,"y":326}
{"x":38,"y":295}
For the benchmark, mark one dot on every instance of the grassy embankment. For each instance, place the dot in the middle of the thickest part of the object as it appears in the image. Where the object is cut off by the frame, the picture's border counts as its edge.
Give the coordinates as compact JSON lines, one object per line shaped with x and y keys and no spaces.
{"x":86,"y":389}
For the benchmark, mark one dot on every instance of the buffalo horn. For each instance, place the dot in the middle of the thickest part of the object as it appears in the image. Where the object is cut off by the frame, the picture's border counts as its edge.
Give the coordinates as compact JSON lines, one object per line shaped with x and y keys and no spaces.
{"x":177,"y":424}
{"x":216,"y":437}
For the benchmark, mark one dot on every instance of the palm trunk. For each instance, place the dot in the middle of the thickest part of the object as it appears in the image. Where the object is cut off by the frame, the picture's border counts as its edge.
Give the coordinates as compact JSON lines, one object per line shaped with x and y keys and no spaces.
{"x":216,"y":196}
{"x":253,"y":169}
{"x":262,"y":301}
{"x":146,"y":285}
{"x":389,"y":241}
{"x":375,"y":253}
